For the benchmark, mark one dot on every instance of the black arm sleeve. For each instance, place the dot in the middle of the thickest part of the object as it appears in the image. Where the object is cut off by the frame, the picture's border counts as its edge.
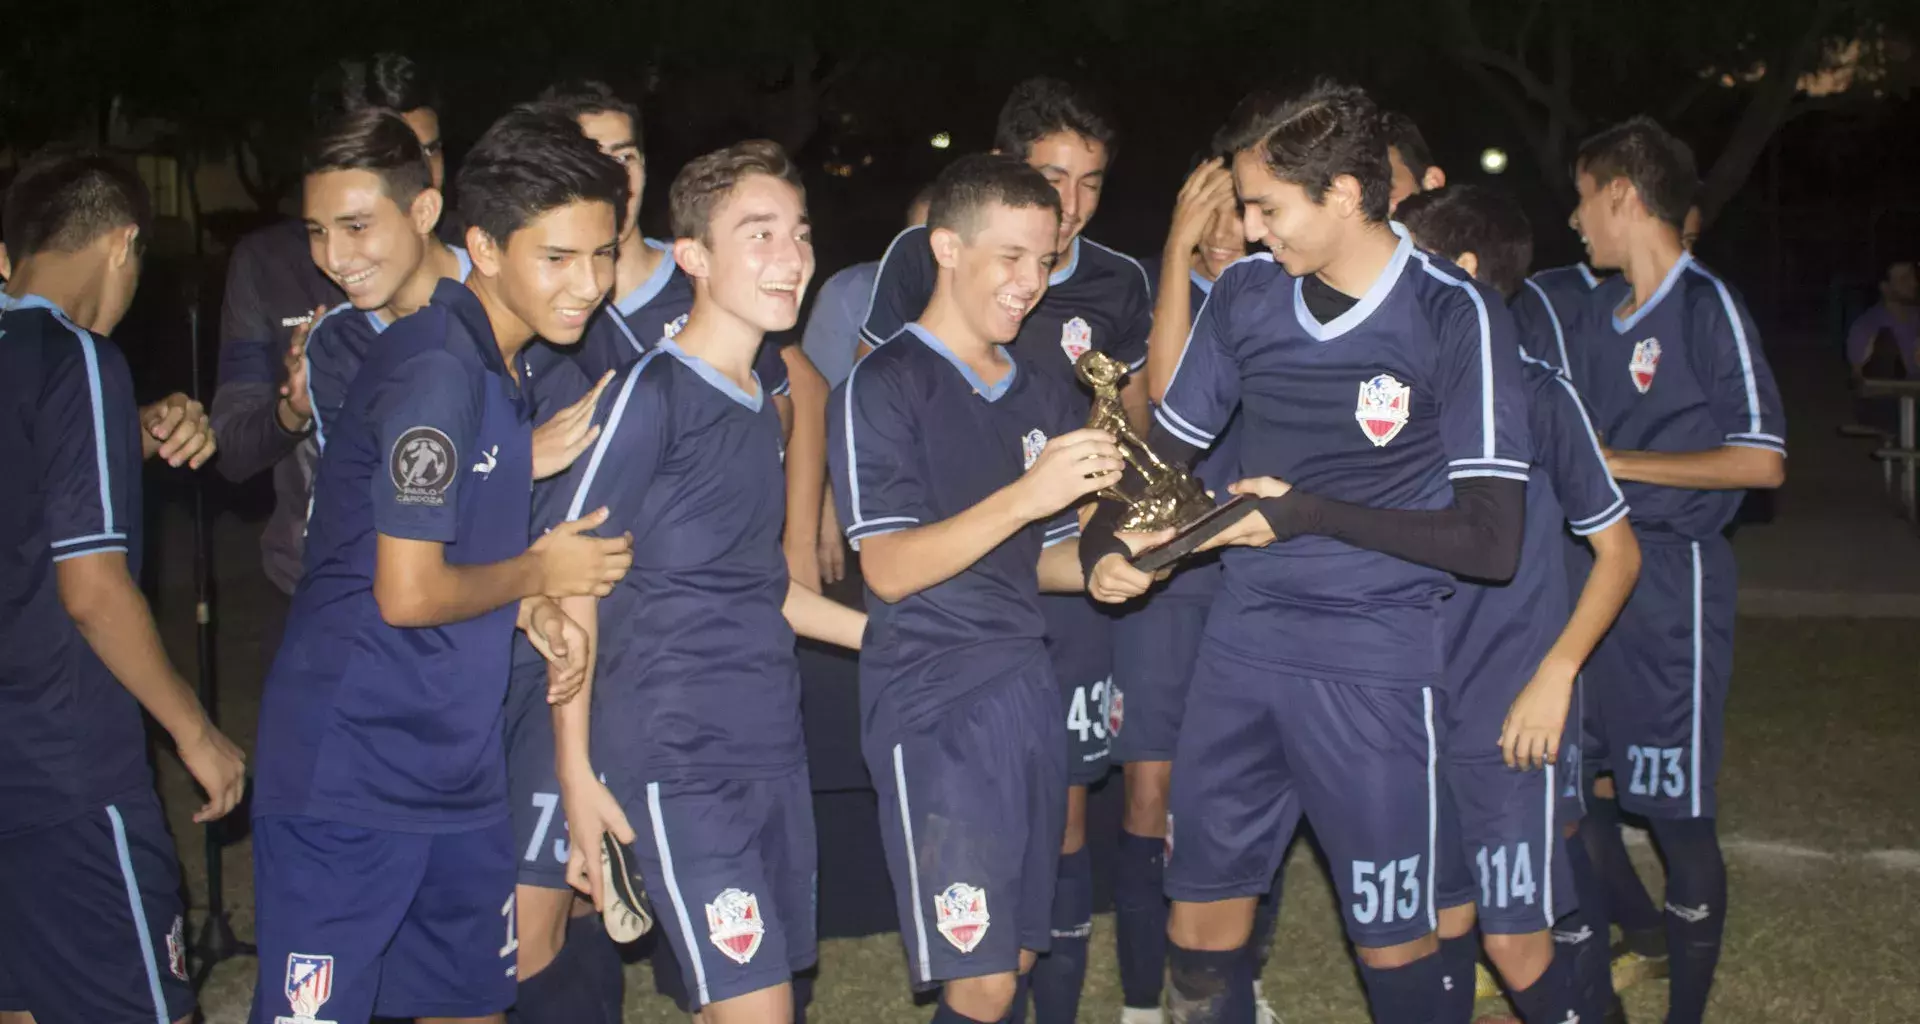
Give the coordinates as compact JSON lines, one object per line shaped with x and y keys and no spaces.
{"x":1097,"y":540}
{"x":1478,"y":536}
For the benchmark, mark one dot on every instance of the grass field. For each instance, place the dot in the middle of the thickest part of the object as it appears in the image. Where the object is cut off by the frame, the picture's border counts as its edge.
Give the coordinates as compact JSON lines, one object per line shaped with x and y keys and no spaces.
{"x":1819,"y":812}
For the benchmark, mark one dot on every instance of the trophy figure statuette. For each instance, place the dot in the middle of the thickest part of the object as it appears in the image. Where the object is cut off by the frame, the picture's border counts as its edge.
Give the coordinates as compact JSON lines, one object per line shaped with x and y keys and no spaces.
{"x":1164,"y":496}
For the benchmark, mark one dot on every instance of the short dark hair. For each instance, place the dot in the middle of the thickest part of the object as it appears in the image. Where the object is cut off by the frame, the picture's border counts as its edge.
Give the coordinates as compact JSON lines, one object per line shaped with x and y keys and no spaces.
{"x":1477,"y":219}
{"x":578,"y":97}
{"x":1040,"y":106}
{"x":1311,"y":139}
{"x":1660,"y":166}
{"x":979,"y":180}
{"x":1403,"y":137}
{"x":531,"y":161}
{"x":389,"y":80}
{"x":374,"y":139}
{"x":700,"y":186}
{"x":65,"y":198}
{"x":1886,"y":272}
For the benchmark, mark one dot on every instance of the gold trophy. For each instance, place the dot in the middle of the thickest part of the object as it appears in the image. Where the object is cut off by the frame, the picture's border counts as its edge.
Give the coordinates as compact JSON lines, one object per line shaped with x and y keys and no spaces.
{"x":1158,"y":496}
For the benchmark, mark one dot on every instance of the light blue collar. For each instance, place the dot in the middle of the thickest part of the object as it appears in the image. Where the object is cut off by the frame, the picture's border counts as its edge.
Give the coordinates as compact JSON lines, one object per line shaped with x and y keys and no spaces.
{"x":714,"y":377}
{"x":30,"y":301}
{"x":1679,"y":267}
{"x":1060,"y":274}
{"x":655,"y":283}
{"x":990,"y":392}
{"x":1369,"y":302}
{"x":1200,"y":281}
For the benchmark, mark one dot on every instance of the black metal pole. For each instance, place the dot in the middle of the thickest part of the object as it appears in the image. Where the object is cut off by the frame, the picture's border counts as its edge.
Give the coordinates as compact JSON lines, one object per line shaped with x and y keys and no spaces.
{"x":216,"y":941}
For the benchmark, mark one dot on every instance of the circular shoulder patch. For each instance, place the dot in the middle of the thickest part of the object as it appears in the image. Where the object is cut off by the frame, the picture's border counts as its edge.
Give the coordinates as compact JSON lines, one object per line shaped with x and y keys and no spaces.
{"x":421,"y":465}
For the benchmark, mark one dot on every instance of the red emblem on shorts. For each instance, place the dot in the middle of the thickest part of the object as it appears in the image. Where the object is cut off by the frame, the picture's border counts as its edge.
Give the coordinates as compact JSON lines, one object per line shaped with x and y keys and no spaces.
{"x":1116,"y":709}
{"x":1646,"y":360}
{"x":960,"y":910}
{"x":734,"y":924}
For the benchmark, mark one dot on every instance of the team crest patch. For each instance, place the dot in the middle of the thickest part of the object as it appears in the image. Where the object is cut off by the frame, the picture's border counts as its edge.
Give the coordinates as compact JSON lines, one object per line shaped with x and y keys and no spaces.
{"x":961,"y":913}
{"x":1031,"y":446}
{"x":309,"y":986}
{"x":1076,"y":338}
{"x":674,"y":326}
{"x":422,"y":464}
{"x":177,"y":949}
{"x":1383,"y":408}
{"x":734,"y":924}
{"x":1116,"y":709}
{"x":1646,"y":360}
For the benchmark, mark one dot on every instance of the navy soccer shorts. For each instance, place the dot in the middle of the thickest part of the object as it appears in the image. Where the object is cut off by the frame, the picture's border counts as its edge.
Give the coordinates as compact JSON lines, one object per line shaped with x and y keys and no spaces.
{"x":730,"y":867}
{"x":1154,"y":650}
{"x":1505,"y":850}
{"x":1080,"y":644}
{"x":1260,"y":747}
{"x":1662,"y":689}
{"x":354,"y":922}
{"x":539,"y":822}
{"x":972,"y":811}
{"x":90,"y":925}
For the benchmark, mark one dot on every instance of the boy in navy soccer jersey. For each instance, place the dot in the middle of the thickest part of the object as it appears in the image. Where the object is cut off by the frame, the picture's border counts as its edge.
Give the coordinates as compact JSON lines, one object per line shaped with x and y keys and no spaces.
{"x":653,"y":297}
{"x":370,"y":209}
{"x":383,"y":863}
{"x":1384,"y":437}
{"x":695,"y":717}
{"x":90,"y":910}
{"x":953,"y":461}
{"x":1683,"y":397}
{"x":1515,"y":654}
{"x":1096,"y":299}
{"x":1156,"y":642}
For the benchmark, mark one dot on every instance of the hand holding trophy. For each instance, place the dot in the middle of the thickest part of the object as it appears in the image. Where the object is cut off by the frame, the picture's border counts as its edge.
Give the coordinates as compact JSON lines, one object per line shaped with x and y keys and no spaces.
{"x":1157,"y":495}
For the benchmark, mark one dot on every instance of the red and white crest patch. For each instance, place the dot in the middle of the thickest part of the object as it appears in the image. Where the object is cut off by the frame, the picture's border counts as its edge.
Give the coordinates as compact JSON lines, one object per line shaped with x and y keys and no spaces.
{"x":734,"y":924}
{"x":1076,"y":339}
{"x":309,"y":985}
{"x":1031,"y":446}
{"x":1383,"y":409}
{"x":1645,"y":361}
{"x":1116,"y":709}
{"x":960,"y":911}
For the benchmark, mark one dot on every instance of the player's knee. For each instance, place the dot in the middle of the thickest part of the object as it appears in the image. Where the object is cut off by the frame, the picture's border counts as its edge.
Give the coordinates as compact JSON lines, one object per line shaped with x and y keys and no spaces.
{"x":1457,"y":921}
{"x":983,"y":998}
{"x":1149,"y":785}
{"x":1217,"y":926}
{"x":1521,"y":959}
{"x":1386,"y":958}
{"x":1603,"y":787}
{"x":1690,"y":846}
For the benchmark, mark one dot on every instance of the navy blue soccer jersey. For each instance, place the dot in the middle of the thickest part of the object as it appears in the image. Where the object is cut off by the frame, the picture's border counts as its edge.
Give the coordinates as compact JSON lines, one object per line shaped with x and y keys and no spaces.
{"x":1684,"y":373}
{"x":1415,"y":386}
{"x":1097,"y":299}
{"x":71,"y":736}
{"x":916,"y":437}
{"x":383,"y":726}
{"x":626,"y":328}
{"x":337,"y":344}
{"x":696,"y":671}
{"x":1556,"y":307}
{"x":1498,"y":635}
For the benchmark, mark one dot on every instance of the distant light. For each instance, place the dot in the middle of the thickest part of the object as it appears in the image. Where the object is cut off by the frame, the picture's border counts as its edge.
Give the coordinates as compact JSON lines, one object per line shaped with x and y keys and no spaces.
{"x":941,"y":140}
{"x":1493,"y":160}
{"x":866,"y":160}
{"x":838,"y":169}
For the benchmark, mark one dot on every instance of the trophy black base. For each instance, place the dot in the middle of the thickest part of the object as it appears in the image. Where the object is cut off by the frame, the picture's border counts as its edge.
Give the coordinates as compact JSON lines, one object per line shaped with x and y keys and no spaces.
{"x":1195,"y":534}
